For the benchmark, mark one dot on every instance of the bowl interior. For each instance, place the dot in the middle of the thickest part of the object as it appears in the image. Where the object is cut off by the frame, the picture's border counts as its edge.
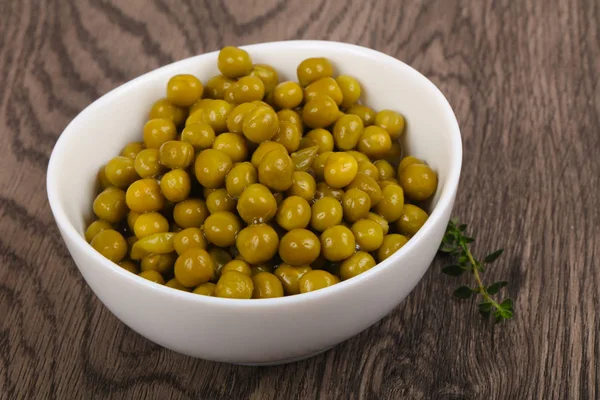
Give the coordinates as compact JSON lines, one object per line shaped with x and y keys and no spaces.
{"x":101,"y":130}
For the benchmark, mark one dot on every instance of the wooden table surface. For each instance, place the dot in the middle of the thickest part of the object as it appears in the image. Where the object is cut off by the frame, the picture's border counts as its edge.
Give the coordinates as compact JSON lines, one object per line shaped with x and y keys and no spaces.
{"x":523,"y":78}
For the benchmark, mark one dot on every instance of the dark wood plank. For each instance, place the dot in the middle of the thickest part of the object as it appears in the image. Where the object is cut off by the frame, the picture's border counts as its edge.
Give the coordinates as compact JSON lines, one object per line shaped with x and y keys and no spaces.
{"x":523,"y":79}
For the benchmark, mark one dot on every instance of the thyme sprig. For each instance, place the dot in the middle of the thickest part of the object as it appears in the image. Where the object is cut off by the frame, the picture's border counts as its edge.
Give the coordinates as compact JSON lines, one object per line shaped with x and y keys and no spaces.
{"x":456,"y":244}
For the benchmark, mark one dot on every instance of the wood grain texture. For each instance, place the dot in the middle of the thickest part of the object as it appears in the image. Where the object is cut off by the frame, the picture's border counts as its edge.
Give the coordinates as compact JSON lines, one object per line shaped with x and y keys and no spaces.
{"x":523,"y":78}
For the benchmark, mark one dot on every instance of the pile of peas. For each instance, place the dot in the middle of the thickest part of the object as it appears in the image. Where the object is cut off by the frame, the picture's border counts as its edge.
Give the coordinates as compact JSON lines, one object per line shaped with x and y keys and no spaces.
{"x":247,"y":187}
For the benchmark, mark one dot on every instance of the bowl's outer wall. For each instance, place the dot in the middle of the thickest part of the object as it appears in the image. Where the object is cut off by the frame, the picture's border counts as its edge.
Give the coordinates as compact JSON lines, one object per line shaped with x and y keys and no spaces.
{"x":263,"y":330}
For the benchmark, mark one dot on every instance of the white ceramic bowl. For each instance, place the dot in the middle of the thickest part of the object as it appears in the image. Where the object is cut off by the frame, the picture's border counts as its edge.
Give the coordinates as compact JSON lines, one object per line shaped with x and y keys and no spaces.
{"x":268,"y":331}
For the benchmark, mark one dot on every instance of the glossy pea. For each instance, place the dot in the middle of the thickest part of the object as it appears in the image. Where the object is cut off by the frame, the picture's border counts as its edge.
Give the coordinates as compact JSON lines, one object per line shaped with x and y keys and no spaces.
{"x":214,"y":114}
{"x":211,"y":168}
{"x":312,"y":69}
{"x":150,"y":223}
{"x":194,"y":267}
{"x":291,"y":116}
{"x":347,"y":131}
{"x":337,"y":243}
{"x":293,"y":213}
{"x":239,"y":178}
{"x":189,"y":213}
{"x":385,"y":170}
{"x":221,"y":228}
{"x":237,"y":265}
{"x":375,"y":142}
{"x":217,"y":85}
{"x":391,"y":121}
{"x":411,"y":219}
{"x":257,"y":243}
{"x":356,"y":204}
{"x":159,"y":243}
{"x":247,"y":89}
{"x":111,"y":244}
{"x":324,"y":190}
{"x":366,"y":114}
{"x":158,"y":131}
{"x":290,"y":277}
{"x":205,"y":289}
{"x":318,"y":165}
{"x":120,"y":172}
{"x":288,"y":135}
{"x":234,"y":285}
{"x":340,"y":169}
{"x":325,"y":86}
{"x":326,"y":212}
{"x":356,"y":264}
{"x":299,"y":247}
{"x":419,"y":181}
{"x":164,"y":109}
{"x":232,"y":144}
{"x":287,"y":95}
{"x":380,"y":221}
{"x":218,"y":200}
{"x":392,"y":203}
{"x":369,"y":169}
{"x":176,"y":185}
{"x":367,"y":185}
{"x":260,"y":124}
{"x":131,"y":150}
{"x":235,"y":119}
{"x":101,"y":178}
{"x":319,"y":112}
{"x":162,"y":263}
{"x":234,"y":62}
{"x":391,"y":244}
{"x":303,"y":185}
{"x":318,"y":137}
{"x":276,"y":170}
{"x":350,"y":88}
{"x":187,"y":239}
{"x":266,"y":286}
{"x":316,"y":280}
{"x":95,"y":228}
{"x":153,"y":276}
{"x":368,"y":234}
{"x":110,"y":205}
{"x":256,"y":204}
{"x":267,"y":74}
{"x":147,"y":163}
{"x":263,"y":149}
{"x":175,"y":284}
{"x":184,"y":89}
{"x":144,"y":195}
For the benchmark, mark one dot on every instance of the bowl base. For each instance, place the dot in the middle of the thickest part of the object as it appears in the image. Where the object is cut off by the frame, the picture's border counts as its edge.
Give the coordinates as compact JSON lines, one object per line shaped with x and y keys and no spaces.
{"x":285,"y":361}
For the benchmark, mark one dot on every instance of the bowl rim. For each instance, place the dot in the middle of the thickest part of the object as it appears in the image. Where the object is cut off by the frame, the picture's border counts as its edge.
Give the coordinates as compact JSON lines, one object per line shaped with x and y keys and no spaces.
{"x":445,"y":201}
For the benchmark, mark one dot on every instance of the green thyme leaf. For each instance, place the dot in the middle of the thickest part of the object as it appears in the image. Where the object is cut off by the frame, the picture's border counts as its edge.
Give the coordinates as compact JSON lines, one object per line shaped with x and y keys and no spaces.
{"x":463,"y":292}
{"x":496,"y":286}
{"x":490,"y":258}
{"x":453,"y":270}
